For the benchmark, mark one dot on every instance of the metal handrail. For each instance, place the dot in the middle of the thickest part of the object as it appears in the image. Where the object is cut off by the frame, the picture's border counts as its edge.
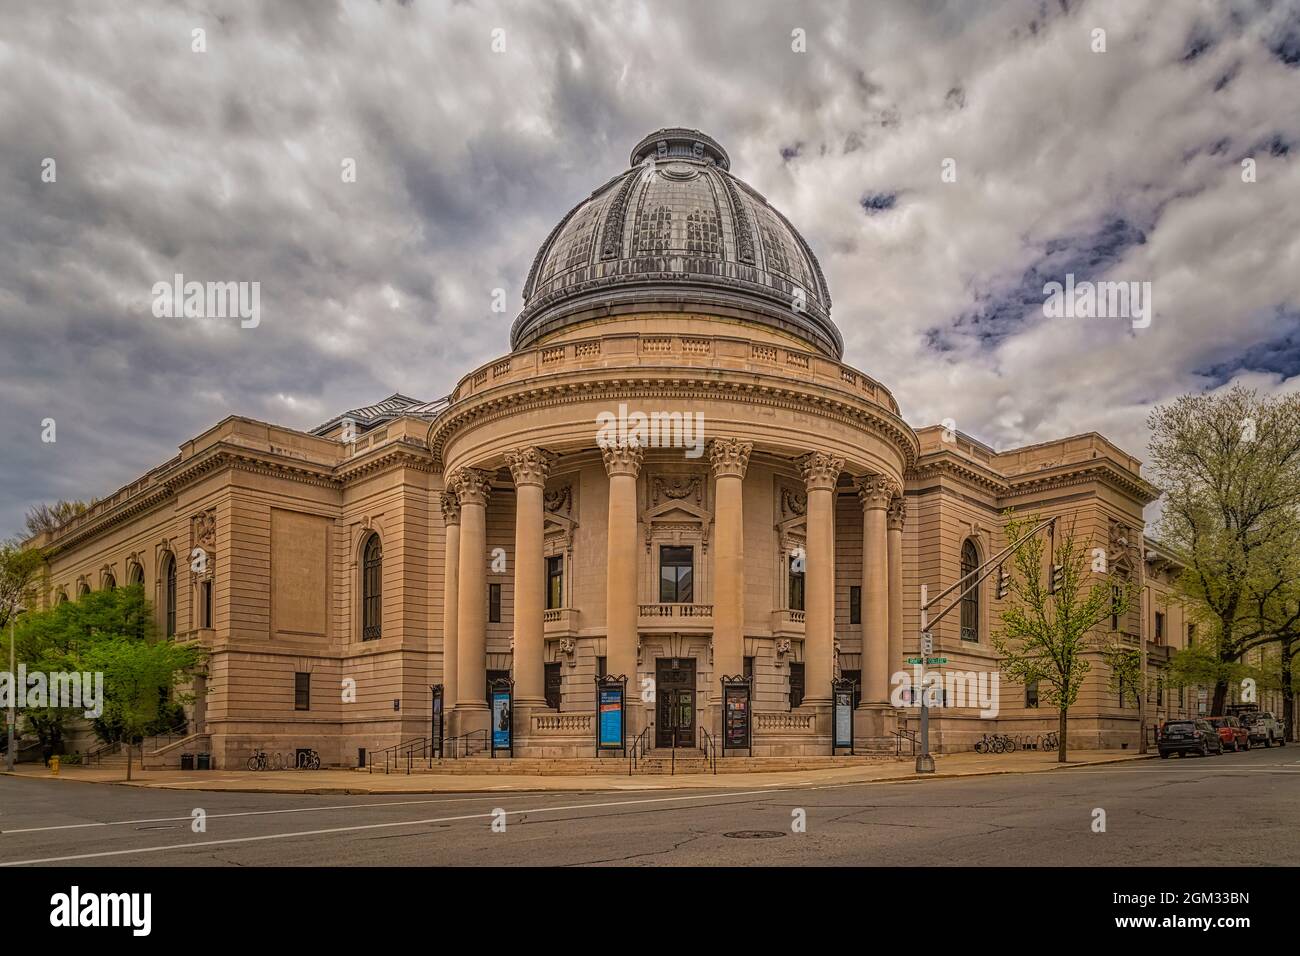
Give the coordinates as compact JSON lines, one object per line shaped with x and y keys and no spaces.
{"x":637,"y":745}
{"x":465,"y":737}
{"x":112,"y":746}
{"x":393,"y":750}
{"x":899,"y":736}
{"x":709,"y":747}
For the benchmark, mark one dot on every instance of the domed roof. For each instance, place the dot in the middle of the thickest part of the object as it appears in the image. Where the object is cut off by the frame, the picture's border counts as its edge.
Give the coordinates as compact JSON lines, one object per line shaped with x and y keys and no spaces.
{"x":677,"y":230}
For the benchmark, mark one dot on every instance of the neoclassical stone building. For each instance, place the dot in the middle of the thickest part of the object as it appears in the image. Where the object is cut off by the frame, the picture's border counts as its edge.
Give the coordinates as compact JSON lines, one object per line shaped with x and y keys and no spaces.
{"x":671,"y":476}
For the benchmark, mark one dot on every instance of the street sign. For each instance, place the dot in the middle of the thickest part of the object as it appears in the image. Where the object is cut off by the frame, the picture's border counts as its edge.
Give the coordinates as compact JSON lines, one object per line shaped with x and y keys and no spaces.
{"x":928,"y":660}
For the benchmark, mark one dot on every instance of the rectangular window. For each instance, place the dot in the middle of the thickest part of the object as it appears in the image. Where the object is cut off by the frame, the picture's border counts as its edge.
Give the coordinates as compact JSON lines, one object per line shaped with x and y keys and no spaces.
{"x":1160,"y":628}
{"x":855,"y":604}
{"x":749,"y":668}
{"x":796,"y":684}
{"x":1123,"y":689}
{"x":796,"y":582}
{"x":1191,"y":635}
{"x":1160,"y":693}
{"x":494,"y":604}
{"x":206,"y":604}
{"x":600,"y":667}
{"x":554,"y":582}
{"x":301,"y":691}
{"x":1031,"y":694}
{"x":1114,"y":607}
{"x":676,"y":575}
{"x":553,"y":682}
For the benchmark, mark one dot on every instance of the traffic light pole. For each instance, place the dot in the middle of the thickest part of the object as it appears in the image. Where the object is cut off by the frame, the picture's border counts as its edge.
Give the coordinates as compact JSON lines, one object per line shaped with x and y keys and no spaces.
{"x":924,"y":760}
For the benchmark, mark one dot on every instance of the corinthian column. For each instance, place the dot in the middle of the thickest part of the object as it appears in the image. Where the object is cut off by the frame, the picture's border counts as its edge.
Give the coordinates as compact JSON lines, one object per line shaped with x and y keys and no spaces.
{"x":875,"y":492}
{"x":529,"y":468}
{"x":730,"y":458}
{"x":820,"y":473}
{"x":472,"y":491}
{"x":622,"y":464}
{"x":897,"y":515}
{"x":450,"y":584}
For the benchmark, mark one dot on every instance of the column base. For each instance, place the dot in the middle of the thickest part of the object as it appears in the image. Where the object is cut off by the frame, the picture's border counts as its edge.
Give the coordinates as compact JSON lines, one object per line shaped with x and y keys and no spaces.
{"x":874,"y":726}
{"x":473,"y":718}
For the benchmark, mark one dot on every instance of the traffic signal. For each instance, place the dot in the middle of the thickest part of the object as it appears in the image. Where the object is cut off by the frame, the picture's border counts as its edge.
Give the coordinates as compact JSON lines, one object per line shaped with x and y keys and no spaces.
{"x":1004,"y":582}
{"x":1058,"y":578}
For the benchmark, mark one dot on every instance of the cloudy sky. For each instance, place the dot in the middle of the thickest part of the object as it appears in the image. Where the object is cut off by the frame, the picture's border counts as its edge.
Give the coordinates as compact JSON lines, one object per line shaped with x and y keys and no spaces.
{"x":226,"y":164}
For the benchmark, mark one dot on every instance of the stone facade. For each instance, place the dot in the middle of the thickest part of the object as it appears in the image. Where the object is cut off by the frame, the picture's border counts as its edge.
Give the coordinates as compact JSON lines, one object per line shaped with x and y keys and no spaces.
{"x":527,"y":526}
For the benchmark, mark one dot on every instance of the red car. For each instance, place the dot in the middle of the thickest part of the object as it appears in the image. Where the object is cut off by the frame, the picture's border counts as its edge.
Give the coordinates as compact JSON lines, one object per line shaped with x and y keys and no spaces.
{"x":1233,"y":735}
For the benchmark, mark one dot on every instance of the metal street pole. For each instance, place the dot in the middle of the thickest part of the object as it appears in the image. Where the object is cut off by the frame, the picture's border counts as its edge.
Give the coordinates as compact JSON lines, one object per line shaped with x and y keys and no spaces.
{"x":924,"y":761}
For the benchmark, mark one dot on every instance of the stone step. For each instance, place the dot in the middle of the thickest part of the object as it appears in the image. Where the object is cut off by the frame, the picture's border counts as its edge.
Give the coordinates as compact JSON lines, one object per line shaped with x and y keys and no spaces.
{"x":654,"y":764}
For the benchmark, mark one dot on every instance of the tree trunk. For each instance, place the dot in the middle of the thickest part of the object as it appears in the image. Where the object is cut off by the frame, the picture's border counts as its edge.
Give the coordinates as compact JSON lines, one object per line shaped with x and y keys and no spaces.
{"x":1061,"y":726}
{"x":1220,"y":697}
{"x":128,"y":760}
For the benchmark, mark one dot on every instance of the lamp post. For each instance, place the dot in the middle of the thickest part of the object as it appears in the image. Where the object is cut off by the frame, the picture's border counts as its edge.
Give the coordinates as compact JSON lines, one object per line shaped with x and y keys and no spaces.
{"x":13,"y":696}
{"x":924,"y":760}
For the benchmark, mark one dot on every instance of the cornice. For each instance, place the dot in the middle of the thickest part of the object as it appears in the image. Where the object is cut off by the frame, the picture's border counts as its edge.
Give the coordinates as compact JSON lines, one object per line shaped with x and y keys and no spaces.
{"x":843,"y":406}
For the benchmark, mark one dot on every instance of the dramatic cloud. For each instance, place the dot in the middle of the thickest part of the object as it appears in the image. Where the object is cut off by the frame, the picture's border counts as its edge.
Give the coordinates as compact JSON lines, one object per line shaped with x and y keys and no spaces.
{"x":225,"y":165}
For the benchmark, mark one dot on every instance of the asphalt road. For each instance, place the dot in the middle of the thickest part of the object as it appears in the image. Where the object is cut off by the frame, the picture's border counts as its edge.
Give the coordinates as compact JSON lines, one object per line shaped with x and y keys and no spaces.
{"x":1237,"y":809}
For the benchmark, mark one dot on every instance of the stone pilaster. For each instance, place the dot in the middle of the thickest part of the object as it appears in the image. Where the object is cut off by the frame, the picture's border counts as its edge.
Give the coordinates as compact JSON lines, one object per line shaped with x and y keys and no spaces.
{"x":472,"y":491}
{"x":729,"y":458}
{"x":529,"y":467}
{"x":897,"y":515}
{"x":450,"y":597}
{"x":875,"y":492}
{"x":820,"y":473}
{"x":622,"y":464}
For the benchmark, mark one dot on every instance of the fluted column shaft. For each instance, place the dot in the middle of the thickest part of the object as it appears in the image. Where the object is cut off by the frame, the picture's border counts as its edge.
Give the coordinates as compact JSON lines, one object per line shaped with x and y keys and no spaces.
{"x":875,"y":493}
{"x":622,"y":464}
{"x":897,"y":515}
{"x":729,"y":458}
{"x":450,"y":597}
{"x":473,"y":490}
{"x":820,"y":473}
{"x":529,"y":468}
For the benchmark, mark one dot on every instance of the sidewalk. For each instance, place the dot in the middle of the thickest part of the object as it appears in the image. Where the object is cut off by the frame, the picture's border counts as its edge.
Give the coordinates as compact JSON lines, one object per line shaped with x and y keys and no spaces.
{"x":902,"y":770}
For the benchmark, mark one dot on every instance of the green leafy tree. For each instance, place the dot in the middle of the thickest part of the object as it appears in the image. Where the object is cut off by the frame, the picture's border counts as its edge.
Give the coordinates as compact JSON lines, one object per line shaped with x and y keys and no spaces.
{"x":137,"y":676}
{"x":21,"y":571}
{"x":1045,"y":637}
{"x":1230,"y":468}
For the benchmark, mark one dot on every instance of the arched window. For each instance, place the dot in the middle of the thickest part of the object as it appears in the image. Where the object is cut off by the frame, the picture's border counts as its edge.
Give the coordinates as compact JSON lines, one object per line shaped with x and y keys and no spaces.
{"x":135,"y":575}
{"x":82,"y":590}
{"x":63,"y":597}
{"x":970,"y":602}
{"x":372,"y":574}
{"x":169,"y":594}
{"x":110,"y":582}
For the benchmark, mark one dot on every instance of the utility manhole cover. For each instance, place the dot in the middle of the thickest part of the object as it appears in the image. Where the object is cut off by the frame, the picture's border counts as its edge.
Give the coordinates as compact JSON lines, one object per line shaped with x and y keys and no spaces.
{"x":754,"y":834}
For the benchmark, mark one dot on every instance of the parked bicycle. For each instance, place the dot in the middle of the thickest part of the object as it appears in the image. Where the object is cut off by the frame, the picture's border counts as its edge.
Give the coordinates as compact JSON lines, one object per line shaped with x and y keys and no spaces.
{"x":308,"y":760}
{"x":261,"y":760}
{"x":996,"y":743}
{"x":1049,"y":741}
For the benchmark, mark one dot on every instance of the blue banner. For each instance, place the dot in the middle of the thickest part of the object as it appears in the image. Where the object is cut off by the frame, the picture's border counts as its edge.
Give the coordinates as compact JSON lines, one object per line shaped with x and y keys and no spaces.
{"x":501,"y":720}
{"x":611,"y":717}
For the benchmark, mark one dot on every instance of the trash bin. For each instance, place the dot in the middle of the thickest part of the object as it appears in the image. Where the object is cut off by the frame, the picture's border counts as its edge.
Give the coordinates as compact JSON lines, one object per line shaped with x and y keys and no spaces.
{"x":205,"y":761}
{"x":187,"y":761}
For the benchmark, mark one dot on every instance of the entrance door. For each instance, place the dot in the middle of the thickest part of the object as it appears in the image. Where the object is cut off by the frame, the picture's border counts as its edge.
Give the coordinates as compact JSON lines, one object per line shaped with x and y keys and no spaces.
{"x":675,"y":701}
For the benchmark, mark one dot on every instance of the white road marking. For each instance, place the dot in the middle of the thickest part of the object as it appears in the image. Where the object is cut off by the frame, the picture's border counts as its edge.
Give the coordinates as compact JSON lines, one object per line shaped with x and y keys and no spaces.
{"x":377,"y":826}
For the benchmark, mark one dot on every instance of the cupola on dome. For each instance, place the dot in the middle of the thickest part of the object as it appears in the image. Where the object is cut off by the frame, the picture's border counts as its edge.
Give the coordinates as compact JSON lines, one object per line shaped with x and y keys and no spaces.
{"x":677,"y":231}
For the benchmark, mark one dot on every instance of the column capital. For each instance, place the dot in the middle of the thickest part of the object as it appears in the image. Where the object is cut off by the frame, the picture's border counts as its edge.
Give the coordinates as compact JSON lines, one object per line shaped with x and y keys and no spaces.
{"x":529,"y":466}
{"x":729,"y":457}
{"x":623,"y":458}
{"x":897,"y":513}
{"x":473,"y":486}
{"x":820,"y":471}
{"x":876,"y":491}
{"x":450,"y":508}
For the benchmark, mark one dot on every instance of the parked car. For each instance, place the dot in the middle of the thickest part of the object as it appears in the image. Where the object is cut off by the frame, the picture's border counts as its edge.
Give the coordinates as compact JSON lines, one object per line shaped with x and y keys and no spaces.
{"x":1231,"y":733}
{"x":1188,"y":736}
{"x":1264,"y":728}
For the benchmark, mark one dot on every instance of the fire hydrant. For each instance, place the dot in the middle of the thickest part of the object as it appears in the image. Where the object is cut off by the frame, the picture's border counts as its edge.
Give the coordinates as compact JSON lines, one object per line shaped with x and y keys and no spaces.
{"x":54,"y":765}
